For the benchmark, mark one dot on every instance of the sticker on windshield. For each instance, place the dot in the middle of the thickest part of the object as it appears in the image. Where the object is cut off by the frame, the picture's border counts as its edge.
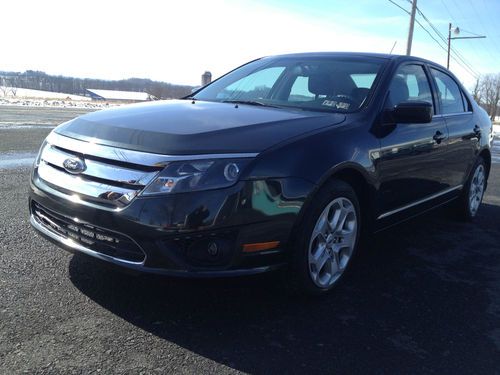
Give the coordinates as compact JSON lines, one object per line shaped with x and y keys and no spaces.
{"x":330,"y":103}
{"x":338,"y":105}
{"x":343,"y":105}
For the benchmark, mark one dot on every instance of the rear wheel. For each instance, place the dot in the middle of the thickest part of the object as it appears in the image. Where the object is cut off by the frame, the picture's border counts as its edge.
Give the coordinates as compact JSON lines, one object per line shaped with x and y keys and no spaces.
{"x":327,"y":240}
{"x":472,"y":194}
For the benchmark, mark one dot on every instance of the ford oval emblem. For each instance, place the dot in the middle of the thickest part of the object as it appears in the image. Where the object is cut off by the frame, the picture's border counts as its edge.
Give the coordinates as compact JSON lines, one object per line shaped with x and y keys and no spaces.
{"x":74,"y":165}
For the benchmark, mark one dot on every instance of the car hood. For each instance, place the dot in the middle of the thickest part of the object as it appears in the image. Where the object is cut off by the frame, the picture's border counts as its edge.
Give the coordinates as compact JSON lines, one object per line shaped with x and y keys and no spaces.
{"x":180,"y":127}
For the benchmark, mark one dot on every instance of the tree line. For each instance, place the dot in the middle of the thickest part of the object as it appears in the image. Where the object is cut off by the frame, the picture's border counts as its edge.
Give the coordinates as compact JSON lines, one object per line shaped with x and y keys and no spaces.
{"x":486,"y":92}
{"x":38,"y":80}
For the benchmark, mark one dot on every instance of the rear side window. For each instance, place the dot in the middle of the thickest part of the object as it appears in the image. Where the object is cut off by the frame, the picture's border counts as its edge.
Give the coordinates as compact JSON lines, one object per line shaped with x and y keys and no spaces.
{"x":449,"y":93}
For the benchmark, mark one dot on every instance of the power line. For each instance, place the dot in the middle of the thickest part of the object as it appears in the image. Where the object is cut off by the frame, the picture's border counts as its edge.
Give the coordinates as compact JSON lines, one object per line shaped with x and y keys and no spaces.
{"x":448,"y":10}
{"x":441,"y":36}
{"x":487,"y":24}
{"x":463,"y":65}
{"x":483,"y":26}
{"x":400,"y":7}
{"x":460,"y":60}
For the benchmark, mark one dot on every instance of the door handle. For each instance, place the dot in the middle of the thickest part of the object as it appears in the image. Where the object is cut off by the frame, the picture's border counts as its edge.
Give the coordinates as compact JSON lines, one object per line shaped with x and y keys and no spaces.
{"x":438,"y":137}
{"x":477,"y":131}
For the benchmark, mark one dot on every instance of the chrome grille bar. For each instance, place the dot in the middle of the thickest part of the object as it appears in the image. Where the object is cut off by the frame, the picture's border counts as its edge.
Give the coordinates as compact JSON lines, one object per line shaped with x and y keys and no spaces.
{"x":75,"y":185}
{"x":96,"y":169}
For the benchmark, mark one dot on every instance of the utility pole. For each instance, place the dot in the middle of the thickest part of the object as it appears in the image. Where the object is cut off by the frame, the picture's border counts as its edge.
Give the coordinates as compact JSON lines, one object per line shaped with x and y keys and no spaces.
{"x":412,"y":24}
{"x":449,"y":46}
{"x":456,"y":31}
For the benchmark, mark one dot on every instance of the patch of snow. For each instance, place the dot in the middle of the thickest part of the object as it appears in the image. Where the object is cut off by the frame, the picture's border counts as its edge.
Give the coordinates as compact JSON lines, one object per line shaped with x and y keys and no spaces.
{"x":496,"y":130}
{"x":40,"y":94}
{"x":40,"y":98}
{"x":14,"y":160}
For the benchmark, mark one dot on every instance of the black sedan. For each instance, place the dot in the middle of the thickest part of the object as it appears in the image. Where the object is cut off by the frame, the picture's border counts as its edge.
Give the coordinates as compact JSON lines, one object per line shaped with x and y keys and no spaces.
{"x":282,"y":163}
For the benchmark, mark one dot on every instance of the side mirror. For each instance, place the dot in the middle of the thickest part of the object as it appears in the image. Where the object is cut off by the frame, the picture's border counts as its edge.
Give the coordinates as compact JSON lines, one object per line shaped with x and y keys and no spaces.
{"x":414,"y":112}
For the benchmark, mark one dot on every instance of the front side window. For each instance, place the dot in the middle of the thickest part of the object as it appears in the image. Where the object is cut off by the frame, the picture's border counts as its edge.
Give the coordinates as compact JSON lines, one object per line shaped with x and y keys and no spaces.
{"x":410,"y":83}
{"x":332,"y":84}
{"x":449,"y":93}
{"x":300,"y":90}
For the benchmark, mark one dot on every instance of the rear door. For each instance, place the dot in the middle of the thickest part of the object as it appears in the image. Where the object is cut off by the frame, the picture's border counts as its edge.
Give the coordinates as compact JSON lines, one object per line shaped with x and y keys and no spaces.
{"x":463,"y":133}
{"x":412,"y":155}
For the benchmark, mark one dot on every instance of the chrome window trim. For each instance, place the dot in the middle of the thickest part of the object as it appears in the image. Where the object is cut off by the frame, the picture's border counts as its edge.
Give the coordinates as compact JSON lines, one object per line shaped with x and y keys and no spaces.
{"x":420,"y":201}
{"x":132,"y":156}
{"x":452,"y":114}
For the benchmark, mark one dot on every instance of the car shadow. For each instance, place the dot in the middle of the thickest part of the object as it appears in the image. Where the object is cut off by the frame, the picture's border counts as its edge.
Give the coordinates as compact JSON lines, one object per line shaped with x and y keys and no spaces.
{"x":422,"y":296}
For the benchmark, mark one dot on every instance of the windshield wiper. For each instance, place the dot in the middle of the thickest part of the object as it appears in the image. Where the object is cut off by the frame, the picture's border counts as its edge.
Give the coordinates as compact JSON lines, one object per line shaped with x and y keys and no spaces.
{"x":250,"y":102}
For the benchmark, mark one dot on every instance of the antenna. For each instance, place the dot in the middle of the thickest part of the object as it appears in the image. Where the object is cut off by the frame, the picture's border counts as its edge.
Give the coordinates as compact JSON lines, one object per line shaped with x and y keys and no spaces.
{"x":394,"y":45}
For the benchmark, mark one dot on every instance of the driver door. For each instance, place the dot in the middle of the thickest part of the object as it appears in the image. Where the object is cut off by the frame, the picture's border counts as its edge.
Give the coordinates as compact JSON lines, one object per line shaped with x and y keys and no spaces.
{"x":412,"y":158}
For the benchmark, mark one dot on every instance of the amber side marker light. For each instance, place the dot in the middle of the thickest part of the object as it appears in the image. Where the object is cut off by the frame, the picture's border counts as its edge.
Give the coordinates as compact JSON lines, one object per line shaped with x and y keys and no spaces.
{"x":260,"y":246}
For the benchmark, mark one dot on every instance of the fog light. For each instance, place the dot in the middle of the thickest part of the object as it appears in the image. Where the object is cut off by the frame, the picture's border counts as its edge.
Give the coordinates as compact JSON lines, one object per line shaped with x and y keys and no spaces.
{"x":213,"y":249}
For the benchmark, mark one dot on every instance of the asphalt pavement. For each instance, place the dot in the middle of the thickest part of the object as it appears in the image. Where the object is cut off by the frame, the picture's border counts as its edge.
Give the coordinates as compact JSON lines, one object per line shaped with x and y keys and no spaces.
{"x":423,"y":297}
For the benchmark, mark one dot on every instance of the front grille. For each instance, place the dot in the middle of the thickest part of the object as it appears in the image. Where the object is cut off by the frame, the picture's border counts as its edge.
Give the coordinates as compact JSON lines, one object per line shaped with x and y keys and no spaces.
{"x":89,"y":236}
{"x":108,"y":177}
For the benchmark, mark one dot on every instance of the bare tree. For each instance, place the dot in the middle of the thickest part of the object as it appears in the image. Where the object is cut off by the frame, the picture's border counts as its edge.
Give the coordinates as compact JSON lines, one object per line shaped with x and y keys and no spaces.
{"x":37,"y":80}
{"x":488,"y":93}
{"x":3,"y":86}
{"x":13,"y":86}
{"x":476,"y":91}
{"x":496,"y":100}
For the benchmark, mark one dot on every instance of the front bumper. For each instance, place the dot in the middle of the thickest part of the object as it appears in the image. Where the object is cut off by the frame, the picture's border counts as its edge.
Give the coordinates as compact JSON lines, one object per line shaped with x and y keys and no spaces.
{"x":173,"y":235}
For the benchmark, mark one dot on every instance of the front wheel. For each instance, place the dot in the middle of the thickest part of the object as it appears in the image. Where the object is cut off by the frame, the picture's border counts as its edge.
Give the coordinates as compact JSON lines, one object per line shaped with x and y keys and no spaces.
{"x":473,"y":192}
{"x":327,"y":240}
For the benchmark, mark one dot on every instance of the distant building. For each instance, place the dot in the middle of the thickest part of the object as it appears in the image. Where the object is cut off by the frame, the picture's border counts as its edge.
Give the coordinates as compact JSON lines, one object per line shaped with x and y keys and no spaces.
{"x":119,"y":96}
{"x":206,"y":78}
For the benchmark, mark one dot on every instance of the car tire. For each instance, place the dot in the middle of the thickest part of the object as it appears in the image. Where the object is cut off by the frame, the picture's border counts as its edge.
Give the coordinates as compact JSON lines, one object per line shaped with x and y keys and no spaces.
{"x":326,"y":240}
{"x":473,"y":192}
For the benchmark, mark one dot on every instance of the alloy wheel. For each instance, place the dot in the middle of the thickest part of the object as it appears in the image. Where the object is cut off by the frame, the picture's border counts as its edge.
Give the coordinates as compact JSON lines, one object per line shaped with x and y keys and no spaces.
{"x":332,"y":242}
{"x":476,"y":189}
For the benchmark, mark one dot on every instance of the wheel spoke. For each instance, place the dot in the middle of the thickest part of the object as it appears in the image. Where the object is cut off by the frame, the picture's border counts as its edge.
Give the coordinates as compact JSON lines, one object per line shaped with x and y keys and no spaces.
{"x":481,"y":179}
{"x":339,"y":218}
{"x":321,"y":260}
{"x":333,"y":222}
{"x":321,"y":227}
{"x":335,"y":263}
{"x":320,"y":245}
{"x":348,"y":237}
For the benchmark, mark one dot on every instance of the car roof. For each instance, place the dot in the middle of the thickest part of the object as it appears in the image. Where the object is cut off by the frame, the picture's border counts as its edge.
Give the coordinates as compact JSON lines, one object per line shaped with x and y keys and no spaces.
{"x":385,"y":56}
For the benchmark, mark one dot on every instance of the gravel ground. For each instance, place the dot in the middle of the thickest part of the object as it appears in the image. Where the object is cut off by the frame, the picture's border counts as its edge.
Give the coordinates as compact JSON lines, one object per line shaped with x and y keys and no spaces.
{"x":424,"y":297}
{"x":22,"y":129}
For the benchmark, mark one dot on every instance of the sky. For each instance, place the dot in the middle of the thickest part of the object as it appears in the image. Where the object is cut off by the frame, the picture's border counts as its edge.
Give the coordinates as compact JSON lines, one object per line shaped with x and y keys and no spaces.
{"x":176,"y":41}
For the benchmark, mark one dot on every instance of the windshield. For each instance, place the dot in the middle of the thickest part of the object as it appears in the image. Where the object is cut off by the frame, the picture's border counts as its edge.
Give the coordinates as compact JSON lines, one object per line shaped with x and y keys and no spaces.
{"x":335,"y":84}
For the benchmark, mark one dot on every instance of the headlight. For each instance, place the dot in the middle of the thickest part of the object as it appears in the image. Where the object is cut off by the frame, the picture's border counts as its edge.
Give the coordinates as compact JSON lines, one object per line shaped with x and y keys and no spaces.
{"x":195,"y":175}
{"x":39,"y":155}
